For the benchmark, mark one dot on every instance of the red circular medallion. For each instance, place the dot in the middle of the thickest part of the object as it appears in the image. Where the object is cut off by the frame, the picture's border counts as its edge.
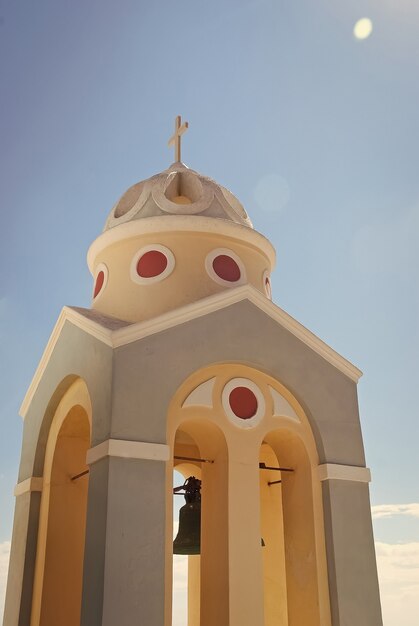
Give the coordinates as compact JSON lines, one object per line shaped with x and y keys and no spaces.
{"x":152,"y":263}
{"x":226,"y":268}
{"x":243,"y":402}
{"x":100,"y":279}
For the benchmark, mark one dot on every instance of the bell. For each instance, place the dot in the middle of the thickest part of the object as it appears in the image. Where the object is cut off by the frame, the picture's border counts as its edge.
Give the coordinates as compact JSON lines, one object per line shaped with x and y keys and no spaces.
{"x":188,"y":539}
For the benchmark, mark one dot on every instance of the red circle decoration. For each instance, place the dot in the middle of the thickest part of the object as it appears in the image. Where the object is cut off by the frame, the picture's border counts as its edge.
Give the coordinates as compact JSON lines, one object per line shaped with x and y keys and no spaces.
{"x":226,"y":268}
{"x":100,"y":279}
{"x":243,"y":402}
{"x":151,"y":263}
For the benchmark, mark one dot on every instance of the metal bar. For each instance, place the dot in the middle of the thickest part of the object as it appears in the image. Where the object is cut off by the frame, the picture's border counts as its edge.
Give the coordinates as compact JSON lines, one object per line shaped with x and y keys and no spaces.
{"x":274,"y":482}
{"x":80,"y":475}
{"x":190,"y":458}
{"x":277,"y":469}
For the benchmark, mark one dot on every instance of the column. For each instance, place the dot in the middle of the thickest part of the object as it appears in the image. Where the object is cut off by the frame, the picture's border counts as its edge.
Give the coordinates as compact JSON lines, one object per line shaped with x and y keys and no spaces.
{"x":18,"y":605}
{"x":245,"y":550}
{"x":124,"y":569}
{"x":353,"y":581}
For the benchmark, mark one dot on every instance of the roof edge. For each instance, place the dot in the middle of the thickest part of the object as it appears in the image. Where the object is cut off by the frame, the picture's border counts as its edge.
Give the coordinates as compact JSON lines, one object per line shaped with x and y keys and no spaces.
{"x":139,"y":330}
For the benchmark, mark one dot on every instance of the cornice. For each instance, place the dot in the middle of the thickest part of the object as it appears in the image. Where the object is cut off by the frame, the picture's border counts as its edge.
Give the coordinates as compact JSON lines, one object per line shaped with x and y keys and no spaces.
{"x":135,"y":332}
{"x":180,"y":223}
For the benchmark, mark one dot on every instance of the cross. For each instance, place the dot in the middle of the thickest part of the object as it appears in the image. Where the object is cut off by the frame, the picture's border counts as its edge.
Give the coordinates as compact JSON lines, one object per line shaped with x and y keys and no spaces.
{"x":176,"y":137}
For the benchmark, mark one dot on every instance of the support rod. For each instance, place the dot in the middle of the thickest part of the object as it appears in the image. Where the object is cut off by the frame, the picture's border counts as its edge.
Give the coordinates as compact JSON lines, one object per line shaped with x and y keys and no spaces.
{"x":80,"y":475}
{"x":277,"y":469}
{"x":190,"y":458}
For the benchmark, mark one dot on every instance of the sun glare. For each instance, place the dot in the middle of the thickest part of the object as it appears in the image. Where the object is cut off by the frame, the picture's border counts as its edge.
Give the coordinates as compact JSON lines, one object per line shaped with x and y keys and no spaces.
{"x":363,"y":28}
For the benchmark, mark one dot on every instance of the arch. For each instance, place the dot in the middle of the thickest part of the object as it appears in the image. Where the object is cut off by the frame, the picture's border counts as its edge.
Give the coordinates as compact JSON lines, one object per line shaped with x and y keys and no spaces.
{"x":282,"y":435}
{"x":44,"y":431}
{"x":60,"y":546}
{"x":194,"y":434}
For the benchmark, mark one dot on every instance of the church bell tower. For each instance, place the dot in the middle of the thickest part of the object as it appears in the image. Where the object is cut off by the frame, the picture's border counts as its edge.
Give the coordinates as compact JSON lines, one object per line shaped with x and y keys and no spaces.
{"x":183,"y":361}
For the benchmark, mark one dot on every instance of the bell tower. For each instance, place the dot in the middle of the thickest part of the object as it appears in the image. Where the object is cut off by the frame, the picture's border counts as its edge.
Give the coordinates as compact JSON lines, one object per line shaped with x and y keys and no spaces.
{"x":183,"y":361}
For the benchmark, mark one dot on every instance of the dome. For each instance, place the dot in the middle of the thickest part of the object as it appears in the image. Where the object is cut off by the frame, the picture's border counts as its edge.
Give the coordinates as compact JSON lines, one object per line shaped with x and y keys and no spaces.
{"x":177,"y":191}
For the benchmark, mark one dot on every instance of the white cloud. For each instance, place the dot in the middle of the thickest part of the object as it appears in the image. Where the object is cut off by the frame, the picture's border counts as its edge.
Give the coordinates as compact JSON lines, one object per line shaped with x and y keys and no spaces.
{"x":4,"y":566}
{"x":398,"y":573}
{"x":390,"y":510}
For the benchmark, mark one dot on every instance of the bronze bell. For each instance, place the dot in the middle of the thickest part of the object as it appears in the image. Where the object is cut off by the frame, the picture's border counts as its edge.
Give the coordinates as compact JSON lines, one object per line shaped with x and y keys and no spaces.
{"x":188,"y":539}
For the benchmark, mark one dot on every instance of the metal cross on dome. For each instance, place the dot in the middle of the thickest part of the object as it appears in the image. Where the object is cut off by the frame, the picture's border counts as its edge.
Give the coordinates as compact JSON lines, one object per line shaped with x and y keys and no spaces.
{"x":175,"y":139}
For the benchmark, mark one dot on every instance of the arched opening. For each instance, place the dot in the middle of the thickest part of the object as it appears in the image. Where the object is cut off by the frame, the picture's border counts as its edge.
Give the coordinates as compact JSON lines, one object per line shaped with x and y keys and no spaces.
{"x":61,"y":535}
{"x":291,"y":570}
{"x":284,"y":582}
{"x":272,"y":531}
{"x":207,"y":573}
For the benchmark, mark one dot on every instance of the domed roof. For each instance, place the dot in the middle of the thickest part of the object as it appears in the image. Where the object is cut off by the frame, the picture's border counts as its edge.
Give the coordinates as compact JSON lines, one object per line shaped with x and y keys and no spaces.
{"x":177,"y":191}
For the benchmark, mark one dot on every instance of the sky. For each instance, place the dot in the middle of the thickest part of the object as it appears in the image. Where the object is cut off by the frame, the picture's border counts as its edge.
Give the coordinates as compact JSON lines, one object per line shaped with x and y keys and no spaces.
{"x":315,"y":131}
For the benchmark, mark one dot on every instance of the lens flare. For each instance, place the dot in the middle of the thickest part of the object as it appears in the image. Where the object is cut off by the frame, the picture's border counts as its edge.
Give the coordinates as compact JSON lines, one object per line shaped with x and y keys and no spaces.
{"x":363,"y":28}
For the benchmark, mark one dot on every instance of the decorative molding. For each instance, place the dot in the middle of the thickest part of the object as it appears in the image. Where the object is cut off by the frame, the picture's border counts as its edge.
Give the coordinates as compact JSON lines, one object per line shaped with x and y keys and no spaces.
{"x":201,"y":395}
{"x":181,"y":223}
{"x":333,"y":471}
{"x":209,"y":259}
{"x":224,"y":299}
{"x":102,"y":267}
{"x":253,"y":421}
{"x":282,"y":407}
{"x":200,"y":187}
{"x":34,"y":483}
{"x":140,"y":280}
{"x":128,"y":450}
{"x":266,"y":280}
{"x":139,"y":330}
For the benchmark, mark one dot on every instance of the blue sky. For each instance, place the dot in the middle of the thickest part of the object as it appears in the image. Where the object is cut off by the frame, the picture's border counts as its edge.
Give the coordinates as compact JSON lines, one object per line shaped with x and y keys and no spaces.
{"x":317,"y":134}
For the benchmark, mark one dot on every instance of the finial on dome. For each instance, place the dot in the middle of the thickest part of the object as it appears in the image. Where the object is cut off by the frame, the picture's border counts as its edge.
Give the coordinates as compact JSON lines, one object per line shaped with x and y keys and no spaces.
{"x":175,"y":139}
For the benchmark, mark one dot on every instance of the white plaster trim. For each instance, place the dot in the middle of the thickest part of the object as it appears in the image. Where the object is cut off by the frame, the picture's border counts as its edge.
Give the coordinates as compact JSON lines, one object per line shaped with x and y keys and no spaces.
{"x":201,"y":395}
{"x":100,"y":268}
{"x":136,"y":278}
{"x":251,"y":422}
{"x":136,"y":207}
{"x":213,"y":274}
{"x":267,"y":286}
{"x":128,"y":450}
{"x":181,"y":223}
{"x":282,"y":407}
{"x":137,"y":331}
{"x":34,"y":483}
{"x":67,"y":315}
{"x":206,"y":194}
{"x":224,"y":299}
{"x":333,"y":471}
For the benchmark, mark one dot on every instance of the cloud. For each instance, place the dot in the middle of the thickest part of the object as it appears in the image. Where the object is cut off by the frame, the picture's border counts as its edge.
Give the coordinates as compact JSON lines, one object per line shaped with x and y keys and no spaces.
{"x":388,"y":245}
{"x":398,"y":573}
{"x":4,"y":566}
{"x":390,"y":510}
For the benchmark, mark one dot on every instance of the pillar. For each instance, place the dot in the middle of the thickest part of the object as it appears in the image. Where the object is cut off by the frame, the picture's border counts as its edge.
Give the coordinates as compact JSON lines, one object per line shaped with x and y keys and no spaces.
{"x":17,"y":611}
{"x":245,"y":550}
{"x":124,"y":568}
{"x":353,"y":580}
